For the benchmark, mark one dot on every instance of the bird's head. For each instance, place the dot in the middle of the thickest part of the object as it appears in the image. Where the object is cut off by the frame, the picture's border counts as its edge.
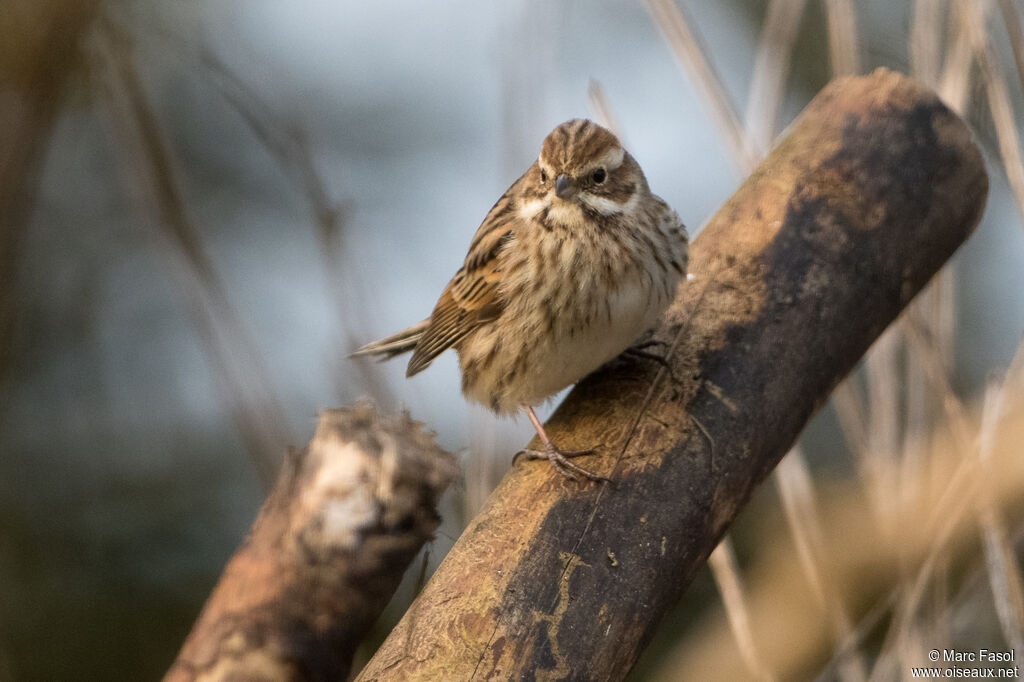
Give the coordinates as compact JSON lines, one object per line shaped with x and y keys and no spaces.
{"x":582,"y":167}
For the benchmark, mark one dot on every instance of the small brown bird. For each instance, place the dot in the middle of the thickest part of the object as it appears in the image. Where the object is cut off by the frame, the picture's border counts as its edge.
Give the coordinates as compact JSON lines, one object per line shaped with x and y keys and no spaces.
{"x":574,"y":262}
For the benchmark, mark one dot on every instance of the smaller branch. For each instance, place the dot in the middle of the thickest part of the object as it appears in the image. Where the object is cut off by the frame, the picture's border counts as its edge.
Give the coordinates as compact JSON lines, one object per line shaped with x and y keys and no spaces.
{"x":328,"y":549}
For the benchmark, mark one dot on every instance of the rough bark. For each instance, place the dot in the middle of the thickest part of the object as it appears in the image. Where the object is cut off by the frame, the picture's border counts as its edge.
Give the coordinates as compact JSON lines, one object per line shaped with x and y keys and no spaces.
{"x":345,"y":518}
{"x":871,"y":190}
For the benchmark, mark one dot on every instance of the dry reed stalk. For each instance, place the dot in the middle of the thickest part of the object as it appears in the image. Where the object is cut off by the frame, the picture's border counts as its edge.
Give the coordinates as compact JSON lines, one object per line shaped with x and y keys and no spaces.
{"x":771,"y":68}
{"x":1012,"y":21}
{"x":722,"y":563}
{"x":480,"y":474}
{"x":942,"y":318}
{"x":691,"y":55}
{"x":925,"y":40}
{"x":865,"y":566}
{"x":603,"y":112}
{"x":848,"y":402}
{"x":843,"y":37}
{"x":975,"y":18}
{"x":955,"y":76}
{"x":878,"y":464}
{"x":796,"y":491}
{"x":1004,"y":571}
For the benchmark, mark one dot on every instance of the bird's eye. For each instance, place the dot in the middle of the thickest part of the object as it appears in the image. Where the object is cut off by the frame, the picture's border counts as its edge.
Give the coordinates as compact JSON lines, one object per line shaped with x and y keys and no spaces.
{"x":599,"y":175}
{"x":543,"y":177}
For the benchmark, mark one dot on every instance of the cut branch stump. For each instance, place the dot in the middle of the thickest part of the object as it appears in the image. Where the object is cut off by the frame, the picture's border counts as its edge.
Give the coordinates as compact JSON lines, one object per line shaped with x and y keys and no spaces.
{"x":344,"y":520}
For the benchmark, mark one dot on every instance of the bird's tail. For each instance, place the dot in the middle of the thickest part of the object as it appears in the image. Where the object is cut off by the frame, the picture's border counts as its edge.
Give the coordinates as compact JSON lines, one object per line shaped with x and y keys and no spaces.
{"x":396,"y":344}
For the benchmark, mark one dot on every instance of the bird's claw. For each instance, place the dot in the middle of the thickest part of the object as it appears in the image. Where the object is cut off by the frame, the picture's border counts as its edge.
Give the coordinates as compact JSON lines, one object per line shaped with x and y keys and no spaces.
{"x":560,"y":460}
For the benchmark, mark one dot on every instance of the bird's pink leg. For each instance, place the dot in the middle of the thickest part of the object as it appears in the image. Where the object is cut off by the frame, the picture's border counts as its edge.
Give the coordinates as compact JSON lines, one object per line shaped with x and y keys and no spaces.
{"x":559,"y":459}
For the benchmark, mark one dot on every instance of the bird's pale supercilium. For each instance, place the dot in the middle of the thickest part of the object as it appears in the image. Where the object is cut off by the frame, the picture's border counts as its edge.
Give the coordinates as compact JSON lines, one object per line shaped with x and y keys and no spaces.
{"x":571,"y":265}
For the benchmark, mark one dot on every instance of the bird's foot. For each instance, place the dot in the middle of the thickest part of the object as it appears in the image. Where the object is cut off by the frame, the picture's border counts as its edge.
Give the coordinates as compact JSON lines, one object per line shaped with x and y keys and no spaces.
{"x":560,"y":460}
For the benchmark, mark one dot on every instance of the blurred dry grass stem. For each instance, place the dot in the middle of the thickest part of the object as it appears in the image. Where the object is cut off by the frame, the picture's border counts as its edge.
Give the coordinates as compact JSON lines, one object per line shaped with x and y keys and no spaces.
{"x":1011,"y":14}
{"x":796,"y":491}
{"x":689,"y":50}
{"x":915,"y":445}
{"x":925,"y":40}
{"x":863,"y":560}
{"x":843,"y":40}
{"x":603,"y":112}
{"x":1004,"y":572}
{"x":289,"y":147}
{"x":722,"y":563}
{"x":771,"y":70}
{"x":38,"y":54}
{"x":975,"y":19}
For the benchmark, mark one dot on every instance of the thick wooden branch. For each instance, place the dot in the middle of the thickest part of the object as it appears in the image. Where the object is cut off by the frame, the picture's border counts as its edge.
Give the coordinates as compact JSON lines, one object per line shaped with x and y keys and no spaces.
{"x":870,"y":192}
{"x":344,"y":520}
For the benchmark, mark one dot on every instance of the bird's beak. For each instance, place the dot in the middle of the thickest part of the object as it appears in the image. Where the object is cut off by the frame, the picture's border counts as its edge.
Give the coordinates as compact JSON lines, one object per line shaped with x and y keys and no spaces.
{"x":564,"y":187}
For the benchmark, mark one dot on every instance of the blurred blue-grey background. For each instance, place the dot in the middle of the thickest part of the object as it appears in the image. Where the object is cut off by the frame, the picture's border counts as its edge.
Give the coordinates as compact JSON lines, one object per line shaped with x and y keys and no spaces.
{"x":127,"y":476}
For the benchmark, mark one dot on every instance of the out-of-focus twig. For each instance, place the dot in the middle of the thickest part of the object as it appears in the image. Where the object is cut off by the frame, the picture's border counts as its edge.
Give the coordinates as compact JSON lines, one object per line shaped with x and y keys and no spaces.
{"x":925,"y":40}
{"x":722,"y":563}
{"x":865,"y":566}
{"x":848,"y":402}
{"x":994,"y":80}
{"x":152,"y":175}
{"x":38,"y":50}
{"x":771,"y":69}
{"x":796,"y":491}
{"x":685,"y":43}
{"x":955,"y":76}
{"x":603,"y":112}
{"x":878,"y":461}
{"x":1003,"y":568}
{"x":1012,"y":21}
{"x":289,"y":146}
{"x":843,"y":37}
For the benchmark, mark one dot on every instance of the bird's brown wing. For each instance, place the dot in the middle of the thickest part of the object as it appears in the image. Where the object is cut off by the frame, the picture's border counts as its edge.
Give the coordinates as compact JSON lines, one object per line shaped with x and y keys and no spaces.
{"x":471,"y":297}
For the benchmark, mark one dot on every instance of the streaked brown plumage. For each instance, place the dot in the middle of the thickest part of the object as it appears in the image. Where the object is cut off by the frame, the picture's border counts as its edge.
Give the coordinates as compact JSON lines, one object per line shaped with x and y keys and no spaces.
{"x":574,"y":262}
